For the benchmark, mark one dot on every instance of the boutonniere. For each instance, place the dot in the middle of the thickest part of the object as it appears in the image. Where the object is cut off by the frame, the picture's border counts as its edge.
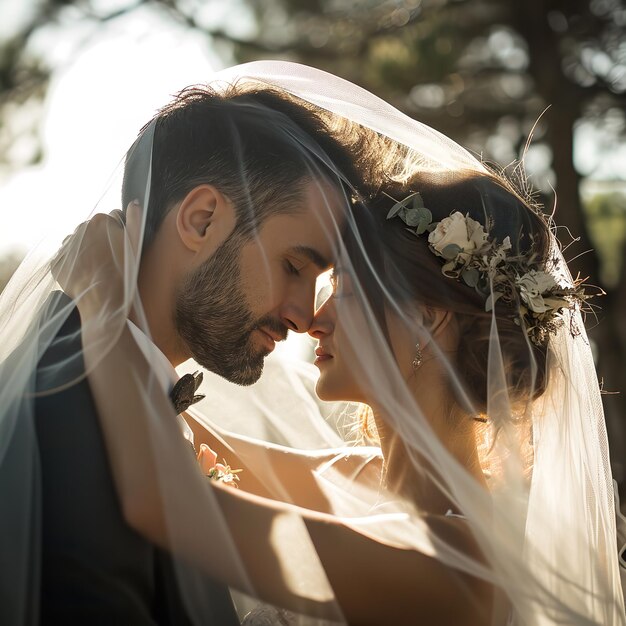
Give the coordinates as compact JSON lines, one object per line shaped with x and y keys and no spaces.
{"x":183,"y":394}
{"x":219,"y":472}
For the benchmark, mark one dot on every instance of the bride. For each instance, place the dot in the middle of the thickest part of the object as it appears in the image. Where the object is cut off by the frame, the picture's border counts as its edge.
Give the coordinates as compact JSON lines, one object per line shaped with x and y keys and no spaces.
{"x":440,"y":335}
{"x":455,"y":324}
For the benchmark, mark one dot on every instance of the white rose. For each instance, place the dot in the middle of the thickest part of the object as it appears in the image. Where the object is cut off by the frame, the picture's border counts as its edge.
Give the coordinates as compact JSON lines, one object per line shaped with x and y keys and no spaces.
{"x":476,"y":232}
{"x":451,"y":230}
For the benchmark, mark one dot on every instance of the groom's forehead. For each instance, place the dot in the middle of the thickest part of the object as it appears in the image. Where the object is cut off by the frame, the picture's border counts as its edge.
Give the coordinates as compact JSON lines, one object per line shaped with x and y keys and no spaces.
{"x":306,"y":235}
{"x":324,"y":199}
{"x":321,"y":217}
{"x":311,"y":231}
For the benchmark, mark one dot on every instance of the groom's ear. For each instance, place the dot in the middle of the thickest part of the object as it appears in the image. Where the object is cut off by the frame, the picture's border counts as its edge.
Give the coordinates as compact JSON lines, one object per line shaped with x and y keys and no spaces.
{"x":205,"y":217}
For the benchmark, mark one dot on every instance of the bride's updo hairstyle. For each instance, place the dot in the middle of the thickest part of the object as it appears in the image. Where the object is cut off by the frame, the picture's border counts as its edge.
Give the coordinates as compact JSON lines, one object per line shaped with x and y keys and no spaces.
{"x":412,"y":275}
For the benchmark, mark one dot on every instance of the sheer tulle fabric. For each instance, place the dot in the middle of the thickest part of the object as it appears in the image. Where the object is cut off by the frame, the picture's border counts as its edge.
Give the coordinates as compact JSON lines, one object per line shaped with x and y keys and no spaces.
{"x":545,"y":526}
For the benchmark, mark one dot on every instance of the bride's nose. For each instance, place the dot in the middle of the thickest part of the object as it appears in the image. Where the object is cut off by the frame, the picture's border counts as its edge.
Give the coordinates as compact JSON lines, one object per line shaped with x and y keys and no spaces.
{"x":323,"y":321}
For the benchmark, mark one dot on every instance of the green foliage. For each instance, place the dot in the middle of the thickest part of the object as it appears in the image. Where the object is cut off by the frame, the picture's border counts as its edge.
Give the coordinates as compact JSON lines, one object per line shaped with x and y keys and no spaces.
{"x":606,"y":215}
{"x":460,"y":65}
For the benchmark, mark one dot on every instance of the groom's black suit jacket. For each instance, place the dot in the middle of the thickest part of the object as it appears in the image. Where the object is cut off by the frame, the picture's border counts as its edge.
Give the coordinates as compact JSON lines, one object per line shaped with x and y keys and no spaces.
{"x":95,"y":568}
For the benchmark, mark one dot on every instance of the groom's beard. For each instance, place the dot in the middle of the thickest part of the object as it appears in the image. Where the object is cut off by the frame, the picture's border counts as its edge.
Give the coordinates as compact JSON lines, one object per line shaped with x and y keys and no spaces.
{"x":214,"y":321}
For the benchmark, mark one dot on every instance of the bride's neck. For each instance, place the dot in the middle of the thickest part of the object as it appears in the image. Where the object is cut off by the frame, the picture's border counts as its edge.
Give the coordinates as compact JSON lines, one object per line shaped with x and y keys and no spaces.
{"x":454,"y":430}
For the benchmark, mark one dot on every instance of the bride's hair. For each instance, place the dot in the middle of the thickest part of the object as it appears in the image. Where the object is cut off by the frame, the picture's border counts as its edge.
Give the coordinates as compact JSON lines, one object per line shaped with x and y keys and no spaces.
{"x":258,"y":145}
{"x":412,"y":275}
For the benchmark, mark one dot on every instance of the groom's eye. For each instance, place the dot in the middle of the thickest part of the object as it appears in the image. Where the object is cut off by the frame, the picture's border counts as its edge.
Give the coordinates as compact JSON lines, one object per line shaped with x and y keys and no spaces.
{"x":291,"y":268}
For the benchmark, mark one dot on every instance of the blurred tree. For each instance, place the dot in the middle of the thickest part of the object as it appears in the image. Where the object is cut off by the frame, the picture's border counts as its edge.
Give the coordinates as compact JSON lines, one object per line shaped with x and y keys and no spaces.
{"x":481,"y":71}
{"x":607,"y":213}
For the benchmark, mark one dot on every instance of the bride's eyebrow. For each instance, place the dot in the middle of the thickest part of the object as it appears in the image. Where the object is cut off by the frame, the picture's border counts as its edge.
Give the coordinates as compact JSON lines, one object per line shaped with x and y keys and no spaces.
{"x":312,"y":255}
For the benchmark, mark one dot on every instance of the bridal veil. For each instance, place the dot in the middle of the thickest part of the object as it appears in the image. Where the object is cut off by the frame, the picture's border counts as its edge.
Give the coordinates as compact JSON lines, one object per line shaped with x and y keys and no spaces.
{"x":544,"y":524}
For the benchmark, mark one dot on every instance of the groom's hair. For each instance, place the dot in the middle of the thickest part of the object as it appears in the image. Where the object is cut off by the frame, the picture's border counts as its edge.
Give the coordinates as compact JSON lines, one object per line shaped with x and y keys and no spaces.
{"x":257,"y":145}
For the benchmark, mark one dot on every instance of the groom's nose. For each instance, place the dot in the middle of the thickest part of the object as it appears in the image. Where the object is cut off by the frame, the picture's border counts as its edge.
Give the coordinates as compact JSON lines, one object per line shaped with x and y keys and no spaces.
{"x":297,"y":309}
{"x":297,"y":317}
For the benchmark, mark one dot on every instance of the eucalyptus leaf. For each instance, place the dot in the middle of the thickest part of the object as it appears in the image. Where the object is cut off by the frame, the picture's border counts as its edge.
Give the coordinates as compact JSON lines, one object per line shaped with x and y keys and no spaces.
{"x":400,"y":207}
{"x":418,"y":202}
{"x":483,"y":287}
{"x":471,"y":276}
{"x":406,"y":201}
{"x":492,"y":299}
{"x":451,"y":251}
{"x":395,"y":209}
{"x":413,"y":217}
{"x":422,"y":227}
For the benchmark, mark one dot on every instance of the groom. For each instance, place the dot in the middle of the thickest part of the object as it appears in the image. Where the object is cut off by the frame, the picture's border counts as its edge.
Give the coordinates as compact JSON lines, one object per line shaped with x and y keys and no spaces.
{"x":240,"y":221}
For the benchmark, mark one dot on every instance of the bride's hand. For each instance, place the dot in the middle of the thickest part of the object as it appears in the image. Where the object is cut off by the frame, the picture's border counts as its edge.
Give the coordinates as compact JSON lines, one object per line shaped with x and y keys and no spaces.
{"x":91,"y":264}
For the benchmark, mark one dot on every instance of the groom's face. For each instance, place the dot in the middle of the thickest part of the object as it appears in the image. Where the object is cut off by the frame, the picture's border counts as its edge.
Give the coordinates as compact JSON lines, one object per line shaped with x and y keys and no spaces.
{"x":234,"y":307}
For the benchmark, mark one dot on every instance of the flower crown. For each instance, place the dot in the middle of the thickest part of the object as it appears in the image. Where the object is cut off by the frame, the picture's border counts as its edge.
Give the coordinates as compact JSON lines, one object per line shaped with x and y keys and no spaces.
{"x":491,"y":268}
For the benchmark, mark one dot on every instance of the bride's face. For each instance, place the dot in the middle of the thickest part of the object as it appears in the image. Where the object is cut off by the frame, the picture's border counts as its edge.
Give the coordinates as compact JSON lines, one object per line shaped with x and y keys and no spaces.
{"x":345,"y":343}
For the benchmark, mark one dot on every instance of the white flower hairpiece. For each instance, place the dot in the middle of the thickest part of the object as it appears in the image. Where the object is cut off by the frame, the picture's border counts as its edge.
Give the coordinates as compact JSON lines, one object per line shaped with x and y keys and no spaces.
{"x":492,"y":269}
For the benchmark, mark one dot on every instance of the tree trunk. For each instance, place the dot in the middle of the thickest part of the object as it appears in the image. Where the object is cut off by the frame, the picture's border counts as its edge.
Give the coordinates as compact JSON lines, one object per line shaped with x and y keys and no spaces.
{"x":609,"y":334}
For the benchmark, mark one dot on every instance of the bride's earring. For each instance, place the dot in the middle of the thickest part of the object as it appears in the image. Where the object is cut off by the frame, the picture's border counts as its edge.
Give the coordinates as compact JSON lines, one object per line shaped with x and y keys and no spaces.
{"x":417,"y":359}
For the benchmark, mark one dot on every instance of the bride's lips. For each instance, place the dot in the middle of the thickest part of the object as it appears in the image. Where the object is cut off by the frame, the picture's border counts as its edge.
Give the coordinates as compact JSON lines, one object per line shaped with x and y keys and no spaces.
{"x":321,"y":355}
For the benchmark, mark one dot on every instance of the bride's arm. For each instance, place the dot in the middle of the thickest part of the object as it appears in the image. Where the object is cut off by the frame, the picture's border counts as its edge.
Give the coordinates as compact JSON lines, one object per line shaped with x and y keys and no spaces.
{"x":287,"y":474}
{"x":375,"y":582}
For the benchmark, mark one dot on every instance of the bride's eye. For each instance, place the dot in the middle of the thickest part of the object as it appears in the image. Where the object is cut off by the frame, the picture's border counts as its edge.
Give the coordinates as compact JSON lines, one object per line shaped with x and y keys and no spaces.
{"x":323,"y":288}
{"x":334,"y":281}
{"x":323,"y":294}
{"x":340,"y":283}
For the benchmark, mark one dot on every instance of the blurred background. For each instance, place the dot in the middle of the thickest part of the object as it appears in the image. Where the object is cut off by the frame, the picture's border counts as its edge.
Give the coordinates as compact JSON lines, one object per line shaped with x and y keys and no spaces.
{"x":79,"y":78}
